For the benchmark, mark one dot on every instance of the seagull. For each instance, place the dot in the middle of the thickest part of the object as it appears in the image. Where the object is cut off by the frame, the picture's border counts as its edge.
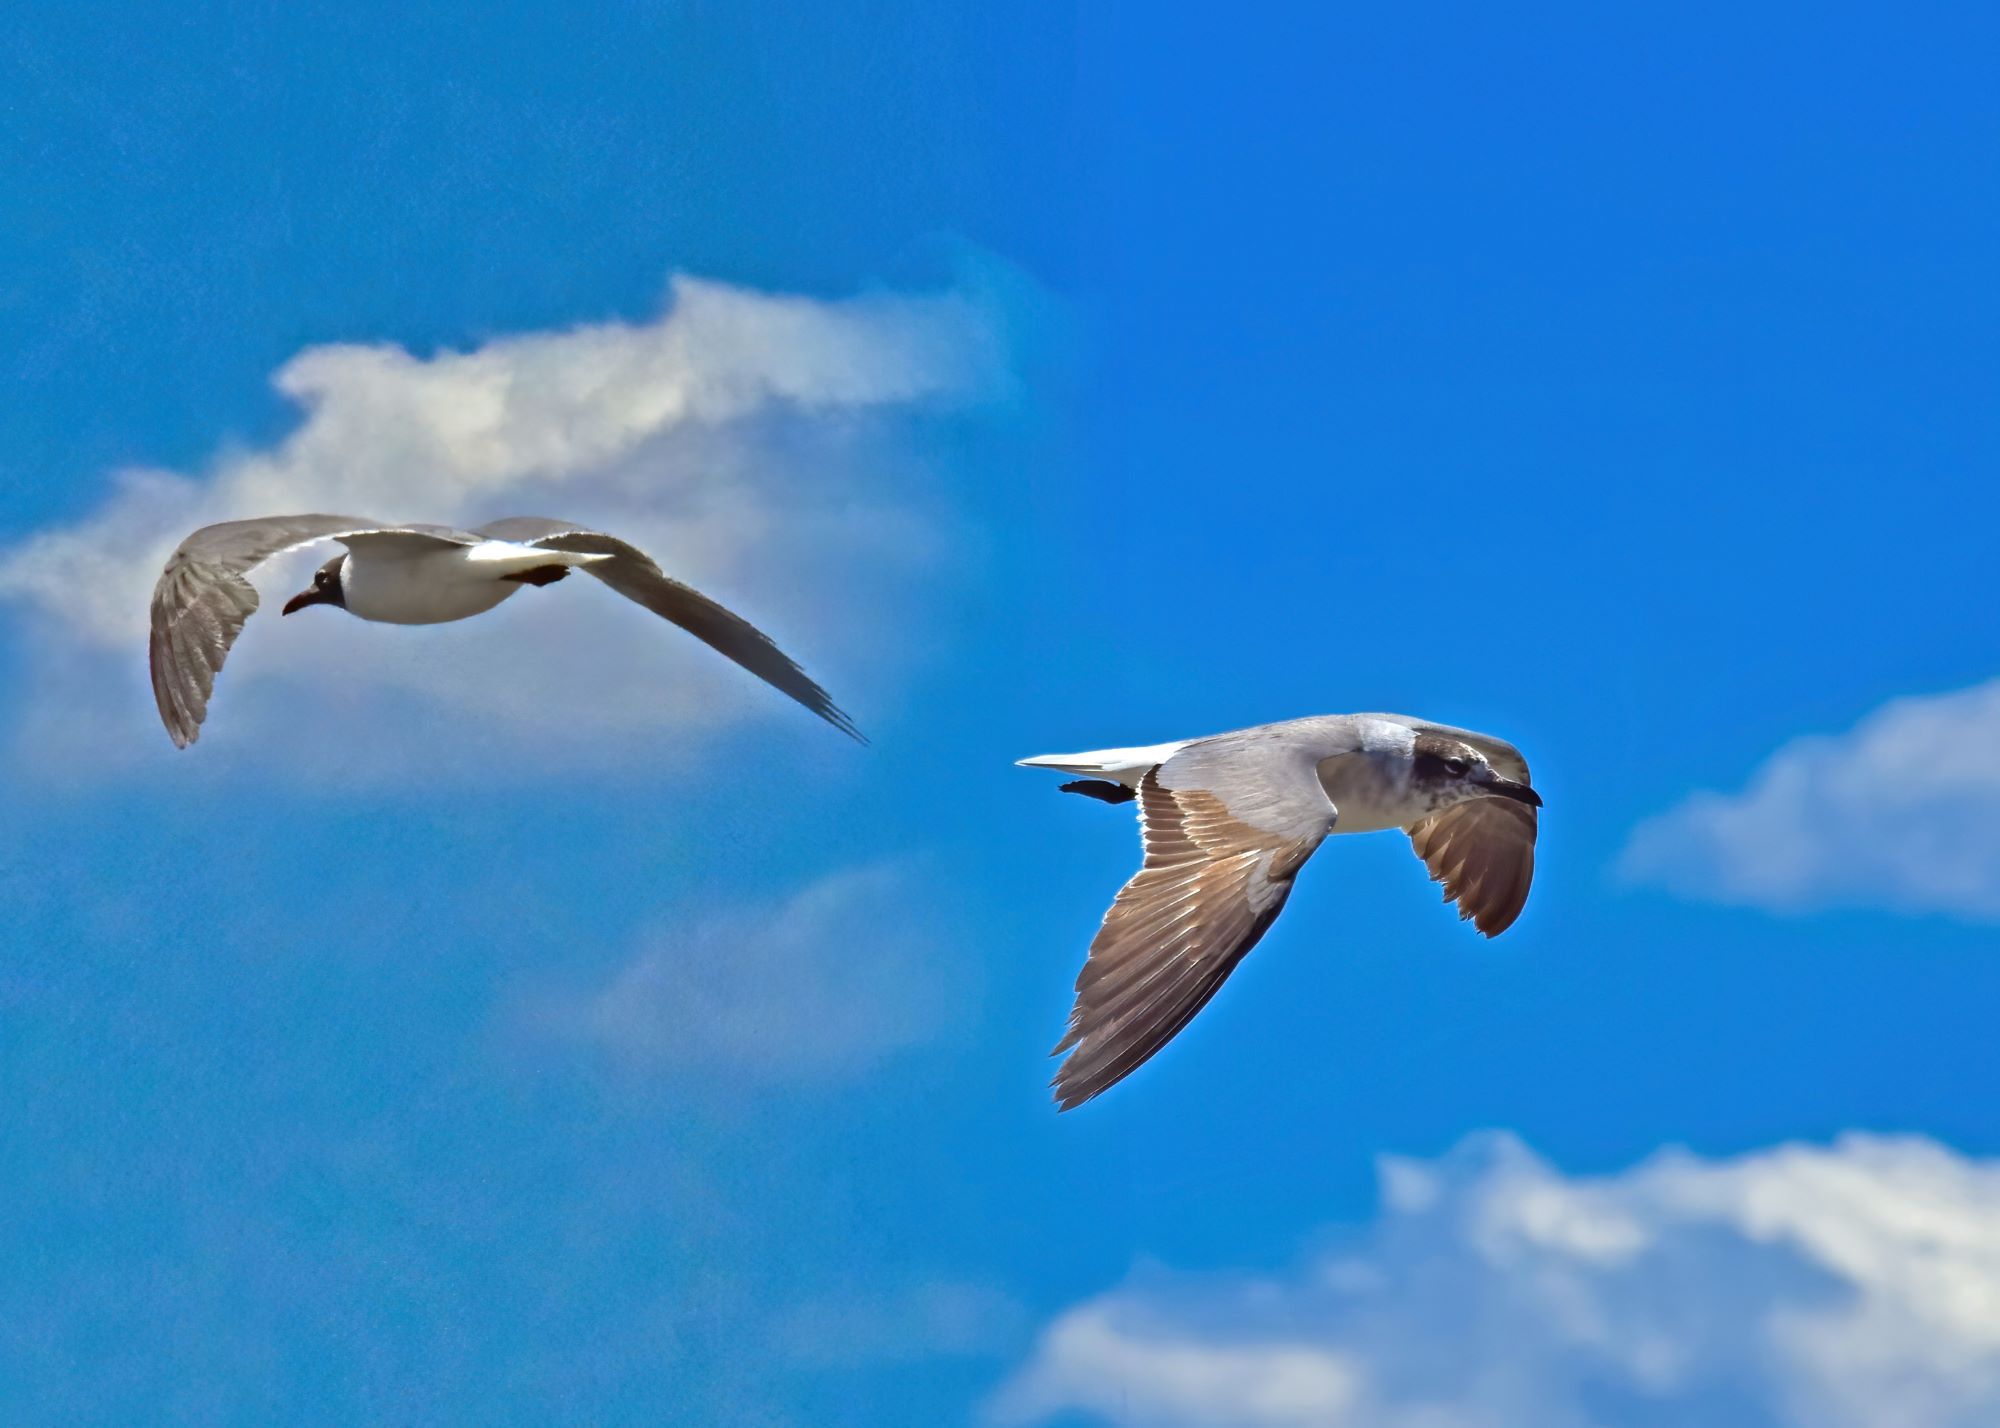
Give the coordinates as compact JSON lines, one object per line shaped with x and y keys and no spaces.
{"x":417,"y":575}
{"x":1226,"y":823}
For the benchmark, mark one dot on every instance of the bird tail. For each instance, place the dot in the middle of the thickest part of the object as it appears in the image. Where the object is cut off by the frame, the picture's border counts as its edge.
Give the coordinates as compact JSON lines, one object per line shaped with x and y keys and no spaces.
{"x":1126,"y":766}
{"x":504,"y":555}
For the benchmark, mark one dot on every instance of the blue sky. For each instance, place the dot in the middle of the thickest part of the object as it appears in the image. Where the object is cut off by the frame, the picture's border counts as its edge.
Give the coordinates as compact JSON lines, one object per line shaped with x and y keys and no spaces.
{"x":583,"y":1036}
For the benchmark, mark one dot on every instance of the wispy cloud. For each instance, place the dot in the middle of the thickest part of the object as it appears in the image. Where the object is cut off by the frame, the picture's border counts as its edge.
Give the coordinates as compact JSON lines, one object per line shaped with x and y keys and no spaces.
{"x":760,"y":445}
{"x":1902,"y":811}
{"x":934,"y":1318}
{"x":1849,"y":1286}
{"x":824,"y":986}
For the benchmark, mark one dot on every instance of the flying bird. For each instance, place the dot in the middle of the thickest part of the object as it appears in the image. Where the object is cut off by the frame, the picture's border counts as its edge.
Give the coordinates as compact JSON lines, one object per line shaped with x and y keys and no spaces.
{"x":418,"y":575}
{"x":1226,"y":823}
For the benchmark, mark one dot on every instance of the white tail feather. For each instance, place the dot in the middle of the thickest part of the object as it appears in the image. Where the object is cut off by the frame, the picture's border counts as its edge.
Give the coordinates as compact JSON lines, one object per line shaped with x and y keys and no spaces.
{"x":1127,"y":766}
{"x":506,"y":555}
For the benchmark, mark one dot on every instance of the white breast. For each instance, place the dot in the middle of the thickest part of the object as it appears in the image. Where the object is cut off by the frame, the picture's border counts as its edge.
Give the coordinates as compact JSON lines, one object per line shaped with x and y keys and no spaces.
{"x":1372,"y":790}
{"x":1375,"y":788}
{"x":428,"y":586}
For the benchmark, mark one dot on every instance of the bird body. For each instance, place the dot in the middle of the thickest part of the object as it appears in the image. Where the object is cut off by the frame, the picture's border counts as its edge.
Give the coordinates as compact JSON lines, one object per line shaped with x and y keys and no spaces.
{"x":1227,"y":821}
{"x":417,"y":575}
{"x":393,"y":580}
{"x":1363,"y":761}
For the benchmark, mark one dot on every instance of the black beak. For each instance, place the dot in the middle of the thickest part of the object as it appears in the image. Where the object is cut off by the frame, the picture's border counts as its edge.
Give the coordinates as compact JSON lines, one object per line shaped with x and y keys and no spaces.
{"x":1519,"y":792}
{"x":312,"y":595}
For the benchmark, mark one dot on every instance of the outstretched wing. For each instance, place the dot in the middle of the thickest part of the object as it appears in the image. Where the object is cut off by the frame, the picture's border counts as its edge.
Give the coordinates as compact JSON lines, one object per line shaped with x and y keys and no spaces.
{"x":1226,"y":824}
{"x":1483,"y":851}
{"x":633,"y":574}
{"x":203,"y":598}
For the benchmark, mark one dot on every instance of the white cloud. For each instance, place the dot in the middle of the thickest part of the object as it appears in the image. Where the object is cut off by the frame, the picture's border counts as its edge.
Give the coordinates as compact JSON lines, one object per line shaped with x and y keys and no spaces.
{"x":826,"y":985}
{"x":929,"y":1319}
{"x":759,"y":445}
{"x":1850,"y":1286}
{"x":1903,"y":811}
{"x":1096,"y":1359}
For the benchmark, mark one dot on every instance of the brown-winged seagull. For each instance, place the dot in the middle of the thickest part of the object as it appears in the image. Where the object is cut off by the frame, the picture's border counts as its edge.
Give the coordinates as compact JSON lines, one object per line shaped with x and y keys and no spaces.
{"x":1226,"y":823}
{"x":418,"y":575}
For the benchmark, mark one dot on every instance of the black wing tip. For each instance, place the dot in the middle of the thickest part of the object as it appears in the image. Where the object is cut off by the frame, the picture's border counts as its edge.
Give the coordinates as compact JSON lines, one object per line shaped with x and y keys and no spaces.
{"x":1070,"y":1089}
{"x":806,"y":692}
{"x":1084,"y":1076}
{"x":837,"y":717}
{"x":1069,"y":1095}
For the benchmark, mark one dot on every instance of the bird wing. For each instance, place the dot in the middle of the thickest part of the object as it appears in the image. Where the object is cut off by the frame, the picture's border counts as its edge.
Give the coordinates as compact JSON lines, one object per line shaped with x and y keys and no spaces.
{"x":633,"y":574}
{"x":1483,"y":851}
{"x":1226,"y":825}
{"x":411,"y":539}
{"x":203,"y":598}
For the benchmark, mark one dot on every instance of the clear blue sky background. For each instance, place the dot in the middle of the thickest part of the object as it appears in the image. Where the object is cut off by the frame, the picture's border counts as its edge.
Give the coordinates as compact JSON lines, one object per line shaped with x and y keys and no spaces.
{"x":1621,"y":384}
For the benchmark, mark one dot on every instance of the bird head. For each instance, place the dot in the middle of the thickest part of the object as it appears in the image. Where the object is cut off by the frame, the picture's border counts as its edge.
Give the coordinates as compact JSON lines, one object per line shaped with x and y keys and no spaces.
{"x":1453,"y":771}
{"x":325,"y":589}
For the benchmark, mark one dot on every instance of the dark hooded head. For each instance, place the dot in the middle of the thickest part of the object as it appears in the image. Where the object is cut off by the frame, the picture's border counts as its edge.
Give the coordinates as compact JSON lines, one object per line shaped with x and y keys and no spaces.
{"x":1453,"y":771}
{"x":324,"y":590}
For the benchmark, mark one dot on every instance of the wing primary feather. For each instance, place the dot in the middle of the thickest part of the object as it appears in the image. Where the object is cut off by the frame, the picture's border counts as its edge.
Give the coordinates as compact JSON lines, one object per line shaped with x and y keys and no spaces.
{"x":1483,"y":852}
{"x":636,"y":576}
{"x":202,"y":599}
{"x":1210,"y":884}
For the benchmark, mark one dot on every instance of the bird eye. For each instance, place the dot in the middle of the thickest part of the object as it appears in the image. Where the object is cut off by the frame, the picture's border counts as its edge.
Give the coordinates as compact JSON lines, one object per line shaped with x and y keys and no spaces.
{"x":1457,"y":766}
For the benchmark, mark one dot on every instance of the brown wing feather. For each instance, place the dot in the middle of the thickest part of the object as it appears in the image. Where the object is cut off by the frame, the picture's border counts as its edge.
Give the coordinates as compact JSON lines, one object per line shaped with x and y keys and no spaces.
{"x":1483,"y":851}
{"x":1209,"y":886}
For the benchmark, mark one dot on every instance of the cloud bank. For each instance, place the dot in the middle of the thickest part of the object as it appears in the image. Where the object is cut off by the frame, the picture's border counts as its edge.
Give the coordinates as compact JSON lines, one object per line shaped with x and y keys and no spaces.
{"x":1850,"y":1286}
{"x":763,"y":447}
{"x":823,"y":987}
{"x":1902,"y":812}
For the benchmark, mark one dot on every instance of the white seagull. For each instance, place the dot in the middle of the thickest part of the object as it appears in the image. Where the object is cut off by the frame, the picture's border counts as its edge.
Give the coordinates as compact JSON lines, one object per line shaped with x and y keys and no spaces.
{"x":417,"y":575}
{"x":1227,"y":822}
